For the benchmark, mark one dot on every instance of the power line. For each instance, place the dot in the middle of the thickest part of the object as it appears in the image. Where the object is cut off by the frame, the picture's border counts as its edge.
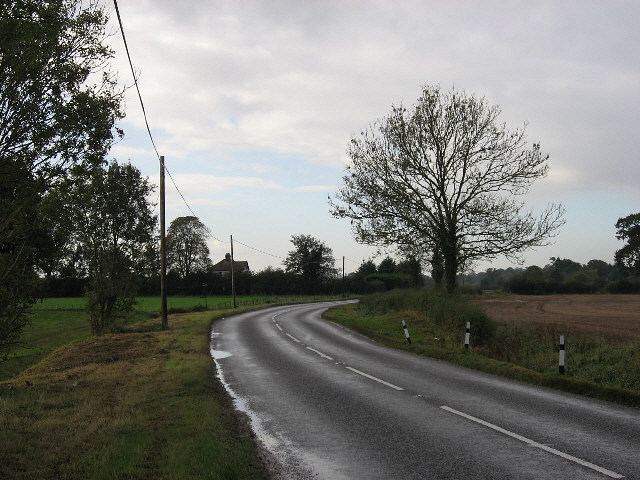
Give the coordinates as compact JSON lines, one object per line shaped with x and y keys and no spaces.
{"x":260,"y":251}
{"x":209,"y":232}
{"x":135,"y":79}
{"x":144,"y":113}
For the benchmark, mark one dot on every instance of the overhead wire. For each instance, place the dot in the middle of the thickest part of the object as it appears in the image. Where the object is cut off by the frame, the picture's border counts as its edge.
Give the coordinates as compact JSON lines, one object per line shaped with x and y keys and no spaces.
{"x":135,"y":79}
{"x":144,"y":114}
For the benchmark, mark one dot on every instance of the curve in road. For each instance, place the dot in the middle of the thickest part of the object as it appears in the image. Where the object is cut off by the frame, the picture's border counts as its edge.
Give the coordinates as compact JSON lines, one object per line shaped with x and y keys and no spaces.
{"x":329,"y":403}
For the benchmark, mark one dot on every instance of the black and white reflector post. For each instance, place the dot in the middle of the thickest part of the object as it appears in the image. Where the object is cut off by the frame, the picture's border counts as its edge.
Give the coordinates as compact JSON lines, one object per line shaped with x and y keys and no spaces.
{"x":406,"y":331}
{"x":561,"y":362}
{"x":467,"y":336}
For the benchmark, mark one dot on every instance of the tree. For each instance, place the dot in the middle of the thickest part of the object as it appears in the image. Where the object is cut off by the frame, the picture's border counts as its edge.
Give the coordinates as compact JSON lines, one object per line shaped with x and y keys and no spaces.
{"x":367,"y":268}
{"x":114,"y":230}
{"x":387,"y":265}
{"x":411,"y":266}
{"x":53,"y":114}
{"x":187,"y":249}
{"x":312,"y":260}
{"x":443,"y":178}
{"x":628,"y":257}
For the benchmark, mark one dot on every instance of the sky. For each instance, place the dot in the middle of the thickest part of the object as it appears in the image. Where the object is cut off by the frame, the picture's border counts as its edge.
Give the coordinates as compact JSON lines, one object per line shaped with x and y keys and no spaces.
{"x":252,"y":103}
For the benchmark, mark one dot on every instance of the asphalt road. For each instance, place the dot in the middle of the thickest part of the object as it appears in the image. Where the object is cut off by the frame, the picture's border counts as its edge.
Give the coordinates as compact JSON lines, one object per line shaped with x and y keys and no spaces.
{"x":331,"y":404}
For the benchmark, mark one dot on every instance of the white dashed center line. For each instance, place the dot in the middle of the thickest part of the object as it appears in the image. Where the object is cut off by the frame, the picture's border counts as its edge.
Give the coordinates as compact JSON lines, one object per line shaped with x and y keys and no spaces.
{"x":533,"y":443}
{"x":320,"y":353}
{"x":374,"y":378}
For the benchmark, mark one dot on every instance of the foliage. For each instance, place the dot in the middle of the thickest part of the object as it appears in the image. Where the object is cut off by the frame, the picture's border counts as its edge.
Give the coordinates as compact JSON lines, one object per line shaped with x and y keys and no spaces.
{"x":443,"y":178}
{"x":527,"y":354}
{"x":387,"y":265}
{"x":53,"y":113}
{"x":449,"y":313}
{"x":312,"y":260}
{"x":114,"y":230}
{"x":628,"y":229}
{"x":367,"y":268}
{"x":187,"y":249}
{"x":565,"y":276}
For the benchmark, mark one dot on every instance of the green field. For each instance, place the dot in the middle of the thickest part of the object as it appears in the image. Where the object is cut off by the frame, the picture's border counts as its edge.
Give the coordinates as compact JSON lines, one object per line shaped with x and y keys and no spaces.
{"x":58,"y":321}
{"x":142,"y":403}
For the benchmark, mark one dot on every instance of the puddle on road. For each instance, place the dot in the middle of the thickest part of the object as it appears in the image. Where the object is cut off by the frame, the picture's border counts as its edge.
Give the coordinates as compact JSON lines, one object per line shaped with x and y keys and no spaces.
{"x":218,"y":354}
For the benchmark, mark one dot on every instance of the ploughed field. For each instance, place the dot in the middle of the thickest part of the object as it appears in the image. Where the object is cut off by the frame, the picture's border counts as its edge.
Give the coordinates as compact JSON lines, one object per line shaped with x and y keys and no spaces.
{"x":614,"y":317}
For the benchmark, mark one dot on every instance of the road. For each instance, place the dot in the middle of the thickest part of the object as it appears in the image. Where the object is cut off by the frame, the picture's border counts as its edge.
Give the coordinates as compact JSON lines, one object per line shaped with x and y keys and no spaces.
{"x":331,"y":404}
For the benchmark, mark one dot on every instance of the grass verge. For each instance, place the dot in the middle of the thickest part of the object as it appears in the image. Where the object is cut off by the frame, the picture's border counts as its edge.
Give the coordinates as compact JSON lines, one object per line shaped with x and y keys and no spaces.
{"x":436,"y":328}
{"x":140,"y":404}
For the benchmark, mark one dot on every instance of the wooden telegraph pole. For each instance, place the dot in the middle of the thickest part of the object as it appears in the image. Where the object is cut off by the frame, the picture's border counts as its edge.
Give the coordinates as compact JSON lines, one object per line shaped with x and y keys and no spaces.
{"x":233,"y":276}
{"x":163,"y":252}
{"x":343,"y":275}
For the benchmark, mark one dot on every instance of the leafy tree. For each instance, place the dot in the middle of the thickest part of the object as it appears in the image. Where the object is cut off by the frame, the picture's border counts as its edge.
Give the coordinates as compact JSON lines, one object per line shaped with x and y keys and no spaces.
{"x":443,"y":178}
{"x":367,"y":268}
{"x":52,"y":115}
{"x":387,"y":265}
{"x":312,"y":260}
{"x":411,"y":266}
{"x":187,"y":249}
{"x":628,"y":257}
{"x":602,"y":268}
{"x":114,"y":230}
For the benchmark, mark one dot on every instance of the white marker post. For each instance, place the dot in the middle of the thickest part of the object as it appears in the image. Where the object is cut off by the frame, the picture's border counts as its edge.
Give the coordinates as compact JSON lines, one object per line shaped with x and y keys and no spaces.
{"x":406,"y":331}
{"x":561,"y":363}
{"x":467,"y":336}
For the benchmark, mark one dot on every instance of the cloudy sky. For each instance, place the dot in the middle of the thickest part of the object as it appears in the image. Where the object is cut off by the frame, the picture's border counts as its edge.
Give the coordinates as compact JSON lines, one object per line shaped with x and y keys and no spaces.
{"x":252,"y":103}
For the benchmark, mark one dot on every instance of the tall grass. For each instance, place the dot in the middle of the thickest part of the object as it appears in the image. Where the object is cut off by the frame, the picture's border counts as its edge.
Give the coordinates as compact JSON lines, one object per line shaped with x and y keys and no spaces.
{"x":528,"y":353}
{"x":448,"y":313}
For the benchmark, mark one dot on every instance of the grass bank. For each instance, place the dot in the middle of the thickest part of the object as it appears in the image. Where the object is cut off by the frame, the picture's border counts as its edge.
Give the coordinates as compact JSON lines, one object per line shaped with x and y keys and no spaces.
{"x":437,"y":327}
{"x":54,"y":322}
{"x":140,"y":404}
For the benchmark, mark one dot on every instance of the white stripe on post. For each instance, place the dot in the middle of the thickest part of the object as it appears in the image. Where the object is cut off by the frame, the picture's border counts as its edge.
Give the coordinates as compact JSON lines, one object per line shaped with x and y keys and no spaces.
{"x":561,"y":362}
{"x":467,"y":336}
{"x":406,"y":331}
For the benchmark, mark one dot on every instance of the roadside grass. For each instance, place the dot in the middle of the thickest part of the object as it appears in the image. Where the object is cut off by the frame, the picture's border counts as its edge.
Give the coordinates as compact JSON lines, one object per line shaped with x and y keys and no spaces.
{"x":129,"y":405}
{"x":530,"y":355}
{"x":54,"y":322}
{"x":143,"y":403}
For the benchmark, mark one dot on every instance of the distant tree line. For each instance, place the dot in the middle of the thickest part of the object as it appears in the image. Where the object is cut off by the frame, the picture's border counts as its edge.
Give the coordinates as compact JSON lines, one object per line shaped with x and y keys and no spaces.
{"x":559,"y":276}
{"x":309,"y":269}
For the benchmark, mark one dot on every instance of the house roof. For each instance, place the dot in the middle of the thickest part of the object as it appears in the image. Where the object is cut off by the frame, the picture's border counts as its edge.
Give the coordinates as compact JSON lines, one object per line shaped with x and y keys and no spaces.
{"x":225,"y":265}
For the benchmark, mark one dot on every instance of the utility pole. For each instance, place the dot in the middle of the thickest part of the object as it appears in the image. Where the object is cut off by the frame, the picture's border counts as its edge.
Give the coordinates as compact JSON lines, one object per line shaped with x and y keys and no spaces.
{"x":343,"y":275}
{"x":163,"y":252}
{"x":233,"y":276}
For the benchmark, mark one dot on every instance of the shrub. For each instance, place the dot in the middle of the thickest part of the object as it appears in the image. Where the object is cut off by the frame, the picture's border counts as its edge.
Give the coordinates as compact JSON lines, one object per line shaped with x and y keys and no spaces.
{"x":449,"y":312}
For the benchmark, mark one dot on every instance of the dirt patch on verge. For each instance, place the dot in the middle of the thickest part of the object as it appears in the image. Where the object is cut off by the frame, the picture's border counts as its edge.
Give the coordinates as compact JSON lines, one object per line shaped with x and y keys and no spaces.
{"x":614,"y":317}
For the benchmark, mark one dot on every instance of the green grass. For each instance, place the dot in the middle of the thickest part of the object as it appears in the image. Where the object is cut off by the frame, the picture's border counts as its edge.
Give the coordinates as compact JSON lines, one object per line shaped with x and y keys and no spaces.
{"x":128,"y":405}
{"x":437,"y":330}
{"x":55,"y":322}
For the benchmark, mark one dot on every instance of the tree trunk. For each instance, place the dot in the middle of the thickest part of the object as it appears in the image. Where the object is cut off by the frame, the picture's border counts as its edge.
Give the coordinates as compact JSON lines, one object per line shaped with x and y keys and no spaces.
{"x":437,"y":268}
{"x":451,"y":266}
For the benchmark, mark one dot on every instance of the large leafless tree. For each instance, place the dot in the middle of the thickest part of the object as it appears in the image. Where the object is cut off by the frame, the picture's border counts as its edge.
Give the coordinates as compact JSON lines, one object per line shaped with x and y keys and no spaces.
{"x":444,"y":178}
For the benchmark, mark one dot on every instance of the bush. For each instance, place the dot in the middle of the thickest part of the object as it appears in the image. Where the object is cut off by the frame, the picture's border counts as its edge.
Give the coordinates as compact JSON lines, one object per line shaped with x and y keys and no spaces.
{"x":449,"y":312}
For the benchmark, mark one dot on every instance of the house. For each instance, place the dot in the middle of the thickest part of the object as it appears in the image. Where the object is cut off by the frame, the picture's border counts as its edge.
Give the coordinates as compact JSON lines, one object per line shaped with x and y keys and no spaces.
{"x":223,"y":267}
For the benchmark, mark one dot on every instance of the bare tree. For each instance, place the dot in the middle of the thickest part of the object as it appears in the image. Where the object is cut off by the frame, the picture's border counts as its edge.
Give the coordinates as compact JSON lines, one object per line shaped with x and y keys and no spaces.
{"x":444,"y":177}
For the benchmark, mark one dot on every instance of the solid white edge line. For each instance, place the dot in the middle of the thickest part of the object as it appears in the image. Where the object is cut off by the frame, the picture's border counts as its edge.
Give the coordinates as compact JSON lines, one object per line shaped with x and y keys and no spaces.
{"x":320,"y":353}
{"x":292,"y":337}
{"x":533,"y":443}
{"x":375,"y":378}
{"x":279,"y":327}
